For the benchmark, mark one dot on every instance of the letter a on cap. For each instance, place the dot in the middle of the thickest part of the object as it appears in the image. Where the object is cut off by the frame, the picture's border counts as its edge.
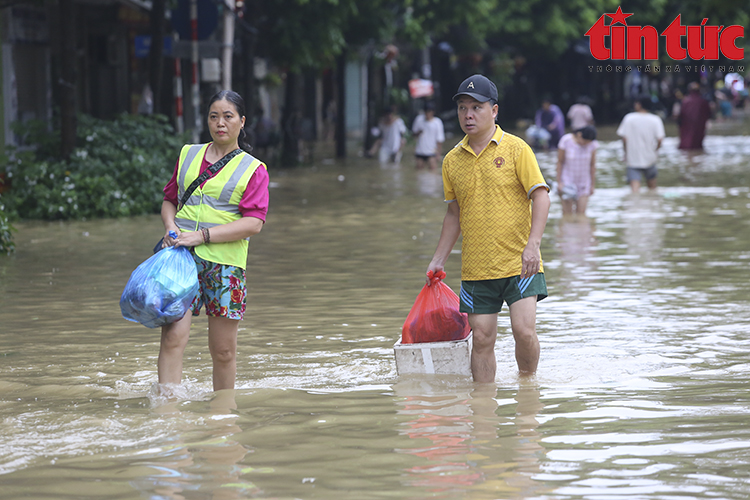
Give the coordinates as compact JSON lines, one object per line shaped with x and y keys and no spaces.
{"x":470,"y":86}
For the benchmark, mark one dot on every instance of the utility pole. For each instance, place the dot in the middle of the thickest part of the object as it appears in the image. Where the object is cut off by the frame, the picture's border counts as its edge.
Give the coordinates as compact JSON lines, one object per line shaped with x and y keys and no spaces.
{"x":228,"y":45}
{"x":68,"y":77}
{"x":195,"y":89}
{"x":340,"y":134}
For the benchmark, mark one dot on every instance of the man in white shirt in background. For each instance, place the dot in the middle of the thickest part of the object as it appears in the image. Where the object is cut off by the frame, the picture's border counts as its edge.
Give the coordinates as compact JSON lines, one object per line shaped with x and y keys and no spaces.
{"x":390,"y":132}
{"x":642,"y":133}
{"x":428,"y":129}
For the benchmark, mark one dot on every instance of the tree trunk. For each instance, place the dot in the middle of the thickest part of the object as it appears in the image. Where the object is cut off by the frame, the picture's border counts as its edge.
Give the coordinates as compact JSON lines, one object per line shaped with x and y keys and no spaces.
{"x":68,"y":80}
{"x":341,"y":105}
{"x":311,"y":104}
{"x":371,"y":119}
{"x":290,"y":122}
{"x":156,"y":54}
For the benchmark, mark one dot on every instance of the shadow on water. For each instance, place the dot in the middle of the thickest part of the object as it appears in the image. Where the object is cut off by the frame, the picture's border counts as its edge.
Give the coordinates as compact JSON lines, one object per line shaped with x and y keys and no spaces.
{"x":641,"y":391}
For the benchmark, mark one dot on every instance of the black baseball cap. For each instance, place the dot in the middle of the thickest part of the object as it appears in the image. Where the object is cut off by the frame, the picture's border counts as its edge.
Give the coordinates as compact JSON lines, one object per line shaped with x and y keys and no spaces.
{"x":479,"y":87}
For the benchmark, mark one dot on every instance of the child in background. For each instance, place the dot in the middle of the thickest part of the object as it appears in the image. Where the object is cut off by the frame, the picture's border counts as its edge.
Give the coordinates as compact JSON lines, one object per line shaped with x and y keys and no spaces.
{"x":576,"y":170}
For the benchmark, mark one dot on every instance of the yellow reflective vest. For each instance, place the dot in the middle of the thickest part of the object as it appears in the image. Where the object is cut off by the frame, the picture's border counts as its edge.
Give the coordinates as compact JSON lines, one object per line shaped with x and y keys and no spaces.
{"x":215,"y":203}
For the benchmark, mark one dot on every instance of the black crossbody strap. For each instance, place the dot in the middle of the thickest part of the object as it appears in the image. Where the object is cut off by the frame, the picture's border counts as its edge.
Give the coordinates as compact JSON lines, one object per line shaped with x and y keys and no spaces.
{"x":207,"y":174}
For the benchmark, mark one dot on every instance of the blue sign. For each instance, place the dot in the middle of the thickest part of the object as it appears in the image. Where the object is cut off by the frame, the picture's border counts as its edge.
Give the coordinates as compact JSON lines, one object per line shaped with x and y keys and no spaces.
{"x":208,"y":19}
{"x":143,"y":46}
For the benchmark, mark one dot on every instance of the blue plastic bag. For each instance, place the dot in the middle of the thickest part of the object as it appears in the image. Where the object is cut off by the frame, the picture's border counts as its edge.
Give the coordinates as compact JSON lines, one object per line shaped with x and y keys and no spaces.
{"x":161,"y":289}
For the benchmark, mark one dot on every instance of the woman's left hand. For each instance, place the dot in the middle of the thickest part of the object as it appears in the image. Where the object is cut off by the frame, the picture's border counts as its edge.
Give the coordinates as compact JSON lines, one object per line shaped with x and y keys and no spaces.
{"x":189,"y":239}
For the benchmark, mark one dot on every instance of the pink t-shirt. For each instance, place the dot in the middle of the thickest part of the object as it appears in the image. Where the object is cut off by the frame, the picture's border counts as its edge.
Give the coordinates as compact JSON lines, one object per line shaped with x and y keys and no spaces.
{"x":576,"y":169}
{"x":254,"y":202}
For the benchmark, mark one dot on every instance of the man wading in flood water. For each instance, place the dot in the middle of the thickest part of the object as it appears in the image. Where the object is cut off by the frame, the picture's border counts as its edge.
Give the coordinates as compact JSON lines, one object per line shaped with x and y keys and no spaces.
{"x":498,"y":199}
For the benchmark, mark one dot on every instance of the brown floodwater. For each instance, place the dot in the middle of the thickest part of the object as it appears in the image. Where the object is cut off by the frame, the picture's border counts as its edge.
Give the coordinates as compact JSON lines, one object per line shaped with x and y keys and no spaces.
{"x":642,"y":389}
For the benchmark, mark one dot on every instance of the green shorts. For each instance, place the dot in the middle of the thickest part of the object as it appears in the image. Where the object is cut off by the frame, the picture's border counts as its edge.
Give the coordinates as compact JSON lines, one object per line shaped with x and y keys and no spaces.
{"x":487,"y":296}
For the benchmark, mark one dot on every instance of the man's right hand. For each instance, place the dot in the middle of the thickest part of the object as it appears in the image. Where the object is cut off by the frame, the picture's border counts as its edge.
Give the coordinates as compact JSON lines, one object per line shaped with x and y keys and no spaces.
{"x":433,"y":270}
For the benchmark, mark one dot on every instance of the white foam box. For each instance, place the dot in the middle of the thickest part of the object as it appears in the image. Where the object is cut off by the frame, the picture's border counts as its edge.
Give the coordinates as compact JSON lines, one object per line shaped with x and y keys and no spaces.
{"x":440,"y":358}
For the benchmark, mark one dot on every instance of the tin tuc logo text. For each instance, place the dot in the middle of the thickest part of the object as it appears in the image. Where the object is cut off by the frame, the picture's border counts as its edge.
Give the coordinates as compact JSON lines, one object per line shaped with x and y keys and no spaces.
{"x":642,"y":42}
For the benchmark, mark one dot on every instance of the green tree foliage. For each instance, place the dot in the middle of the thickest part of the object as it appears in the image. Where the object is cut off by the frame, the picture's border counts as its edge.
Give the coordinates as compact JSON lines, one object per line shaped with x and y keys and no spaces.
{"x":545,"y":27}
{"x":718,"y":12}
{"x":298,"y":34}
{"x":425,"y":20}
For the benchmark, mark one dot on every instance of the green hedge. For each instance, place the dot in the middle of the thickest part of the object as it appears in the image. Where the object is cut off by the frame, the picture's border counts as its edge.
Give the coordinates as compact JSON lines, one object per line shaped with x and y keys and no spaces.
{"x":117,"y":169}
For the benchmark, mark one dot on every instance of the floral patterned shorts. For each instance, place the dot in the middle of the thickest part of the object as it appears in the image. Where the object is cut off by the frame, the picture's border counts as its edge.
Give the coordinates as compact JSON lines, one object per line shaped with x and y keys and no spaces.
{"x":222,"y":290}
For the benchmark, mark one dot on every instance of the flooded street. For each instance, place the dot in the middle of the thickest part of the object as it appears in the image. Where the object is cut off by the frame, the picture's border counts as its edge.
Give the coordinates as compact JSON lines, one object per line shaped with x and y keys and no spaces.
{"x":642,"y":388}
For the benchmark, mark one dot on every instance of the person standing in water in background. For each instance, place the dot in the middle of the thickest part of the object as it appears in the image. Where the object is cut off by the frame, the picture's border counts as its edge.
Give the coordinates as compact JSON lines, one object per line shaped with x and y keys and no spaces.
{"x":694,"y":114}
{"x":391,"y":130}
{"x":576,"y":170}
{"x":430,"y":134}
{"x":642,"y":133}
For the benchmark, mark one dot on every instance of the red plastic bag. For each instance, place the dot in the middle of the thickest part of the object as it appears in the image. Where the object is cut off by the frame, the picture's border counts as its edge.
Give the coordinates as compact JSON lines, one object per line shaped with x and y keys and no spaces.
{"x":434,"y":317}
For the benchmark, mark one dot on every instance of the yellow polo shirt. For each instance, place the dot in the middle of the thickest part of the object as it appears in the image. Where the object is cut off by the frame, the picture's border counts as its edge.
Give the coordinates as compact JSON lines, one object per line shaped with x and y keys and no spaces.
{"x":492,"y":191}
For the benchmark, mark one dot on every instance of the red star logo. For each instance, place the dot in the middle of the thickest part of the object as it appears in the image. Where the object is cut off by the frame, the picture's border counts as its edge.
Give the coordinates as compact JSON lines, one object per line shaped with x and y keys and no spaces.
{"x":619,"y":17}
